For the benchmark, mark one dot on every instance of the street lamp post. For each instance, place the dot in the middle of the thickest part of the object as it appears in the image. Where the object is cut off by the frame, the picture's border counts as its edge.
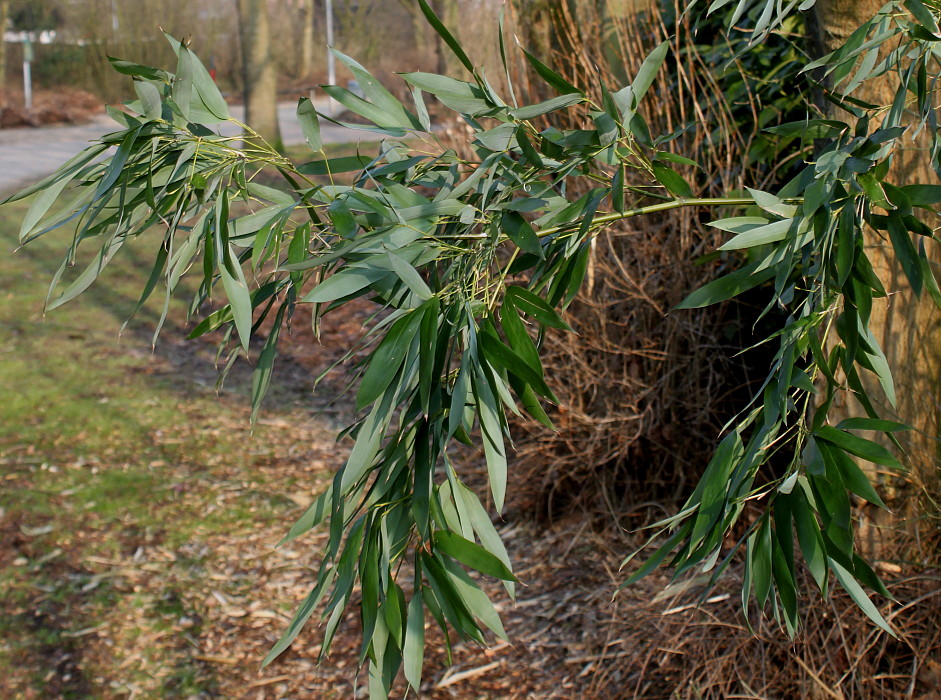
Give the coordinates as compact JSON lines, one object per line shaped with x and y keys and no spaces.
{"x":27,"y":74}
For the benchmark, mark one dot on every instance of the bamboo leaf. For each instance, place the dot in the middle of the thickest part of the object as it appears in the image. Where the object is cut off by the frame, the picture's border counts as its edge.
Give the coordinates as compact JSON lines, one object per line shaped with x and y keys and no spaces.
{"x":471,"y":554}
{"x":310,"y":125}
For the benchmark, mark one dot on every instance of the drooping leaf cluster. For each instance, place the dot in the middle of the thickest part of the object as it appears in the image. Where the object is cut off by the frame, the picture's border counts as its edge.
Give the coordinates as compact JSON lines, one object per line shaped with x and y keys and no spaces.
{"x":466,"y":261}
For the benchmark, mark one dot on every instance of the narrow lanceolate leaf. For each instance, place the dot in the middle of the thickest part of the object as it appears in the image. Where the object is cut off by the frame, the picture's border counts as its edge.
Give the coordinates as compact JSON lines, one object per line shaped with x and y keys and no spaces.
{"x":445,"y":35}
{"x":472,"y":555}
{"x":759,"y":235}
{"x":413,"y":653}
{"x":492,"y":434}
{"x":206,"y":88}
{"x":344,"y":283}
{"x":853,"y":477}
{"x":261,"y":377}
{"x":537,"y":110}
{"x":518,"y":230}
{"x":40,"y":207}
{"x":628,"y":99}
{"x":310,"y":125}
{"x":535,"y":306}
{"x":849,"y":583}
{"x":183,"y":82}
{"x":550,"y":76}
{"x":672,"y":180}
{"x":150,"y":99}
{"x":307,"y":608}
{"x":728,"y":286}
{"x":375,"y":92}
{"x":858,"y":446}
{"x":236,"y":290}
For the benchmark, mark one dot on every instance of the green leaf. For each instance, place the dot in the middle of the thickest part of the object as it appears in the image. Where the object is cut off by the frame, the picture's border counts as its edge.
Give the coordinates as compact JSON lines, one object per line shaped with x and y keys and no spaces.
{"x":761,"y":560}
{"x":760,"y":235}
{"x":477,"y":602}
{"x":365,"y":109}
{"x":413,"y":652}
{"x":550,"y":76}
{"x":206,"y":87}
{"x":183,"y":82}
{"x":885,"y":426}
{"x":628,"y":99}
{"x":310,"y":125}
{"x":714,"y":486}
{"x":138,"y":71}
{"x":923,"y":195}
{"x":536,"y":307}
{"x":150,"y":99}
{"x":853,"y":477}
{"x":648,"y":72}
{"x":387,"y":358}
{"x":376,"y":93}
{"x":302,"y":615}
{"x":458,"y":95}
{"x":551,"y":105}
{"x":471,"y":554}
{"x":64,"y":172}
{"x":726,"y":287}
{"x":344,"y":283}
{"x":315,"y":514}
{"x":443,"y":32}
{"x":492,"y":428}
{"x":343,"y":164}
{"x":670,"y":179}
{"x":500,"y":355}
{"x":236,"y":291}
{"x":905,"y":252}
{"x":40,"y":206}
{"x":518,"y":230}
{"x":858,"y":446}
{"x":859,"y":596}
{"x":261,"y":377}
{"x":809,"y":537}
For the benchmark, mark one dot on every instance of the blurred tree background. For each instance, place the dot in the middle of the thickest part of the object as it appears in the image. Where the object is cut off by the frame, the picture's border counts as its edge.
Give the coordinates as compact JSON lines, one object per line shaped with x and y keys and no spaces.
{"x":81,"y":34}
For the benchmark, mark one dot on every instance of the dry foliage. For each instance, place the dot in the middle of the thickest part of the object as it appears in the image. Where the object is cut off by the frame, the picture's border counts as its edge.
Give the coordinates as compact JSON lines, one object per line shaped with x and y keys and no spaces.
{"x":63,"y":105}
{"x":644,"y":392}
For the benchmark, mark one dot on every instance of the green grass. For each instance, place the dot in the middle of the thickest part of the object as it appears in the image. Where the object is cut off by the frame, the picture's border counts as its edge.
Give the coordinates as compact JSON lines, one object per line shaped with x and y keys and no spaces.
{"x":108,"y":447}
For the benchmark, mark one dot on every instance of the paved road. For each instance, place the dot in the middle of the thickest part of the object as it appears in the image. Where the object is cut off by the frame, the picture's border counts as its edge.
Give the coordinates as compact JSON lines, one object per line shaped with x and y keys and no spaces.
{"x":29,"y":154}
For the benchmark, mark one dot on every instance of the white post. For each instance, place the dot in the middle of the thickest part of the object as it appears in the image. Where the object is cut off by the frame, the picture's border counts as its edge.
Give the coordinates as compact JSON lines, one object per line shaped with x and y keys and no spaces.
{"x":331,"y":60}
{"x":27,"y":75}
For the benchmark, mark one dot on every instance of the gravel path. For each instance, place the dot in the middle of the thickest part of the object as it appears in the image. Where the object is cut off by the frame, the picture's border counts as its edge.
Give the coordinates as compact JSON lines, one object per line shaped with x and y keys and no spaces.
{"x":27,"y":154}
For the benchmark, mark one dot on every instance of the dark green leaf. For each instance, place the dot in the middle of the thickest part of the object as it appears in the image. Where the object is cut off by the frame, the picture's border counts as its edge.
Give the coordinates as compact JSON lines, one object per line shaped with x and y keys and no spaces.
{"x":727,"y":287}
{"x":471,"y":554}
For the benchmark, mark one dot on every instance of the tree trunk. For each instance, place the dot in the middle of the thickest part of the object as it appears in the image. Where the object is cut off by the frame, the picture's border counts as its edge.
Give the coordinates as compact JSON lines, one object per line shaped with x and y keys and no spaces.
{"x":308,"y":44}
{"x":259,"y":80}
{"x":907,"y":328}
{"x":4,"y":17}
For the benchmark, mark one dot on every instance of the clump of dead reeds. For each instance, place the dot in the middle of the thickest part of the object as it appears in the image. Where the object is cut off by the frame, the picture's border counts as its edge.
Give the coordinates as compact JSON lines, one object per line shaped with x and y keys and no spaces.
{"x":674,"y":648}
{"x":644,"y":392}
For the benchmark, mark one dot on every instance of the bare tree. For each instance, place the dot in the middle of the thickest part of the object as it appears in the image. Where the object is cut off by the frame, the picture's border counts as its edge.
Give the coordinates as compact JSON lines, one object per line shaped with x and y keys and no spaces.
{"x":260,"y":81}
{"x":4,"y":18}
{"x":308,"y":43}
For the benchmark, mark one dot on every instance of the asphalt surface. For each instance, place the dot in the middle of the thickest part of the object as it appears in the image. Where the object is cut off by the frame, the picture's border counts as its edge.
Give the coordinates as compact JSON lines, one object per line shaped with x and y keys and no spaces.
{"x":29,"y":154}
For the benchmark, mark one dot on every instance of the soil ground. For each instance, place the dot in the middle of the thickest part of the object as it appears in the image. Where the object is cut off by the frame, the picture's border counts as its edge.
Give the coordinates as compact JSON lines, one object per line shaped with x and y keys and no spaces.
{"x":139,"y":515}
{"x":139,"y":518}
{"x":64,"y":105}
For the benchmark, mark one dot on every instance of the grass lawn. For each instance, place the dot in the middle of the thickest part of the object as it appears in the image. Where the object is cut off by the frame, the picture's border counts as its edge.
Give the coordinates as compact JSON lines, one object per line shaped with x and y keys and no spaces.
{"x":135,"y":504}
{"x":139,"y":514}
